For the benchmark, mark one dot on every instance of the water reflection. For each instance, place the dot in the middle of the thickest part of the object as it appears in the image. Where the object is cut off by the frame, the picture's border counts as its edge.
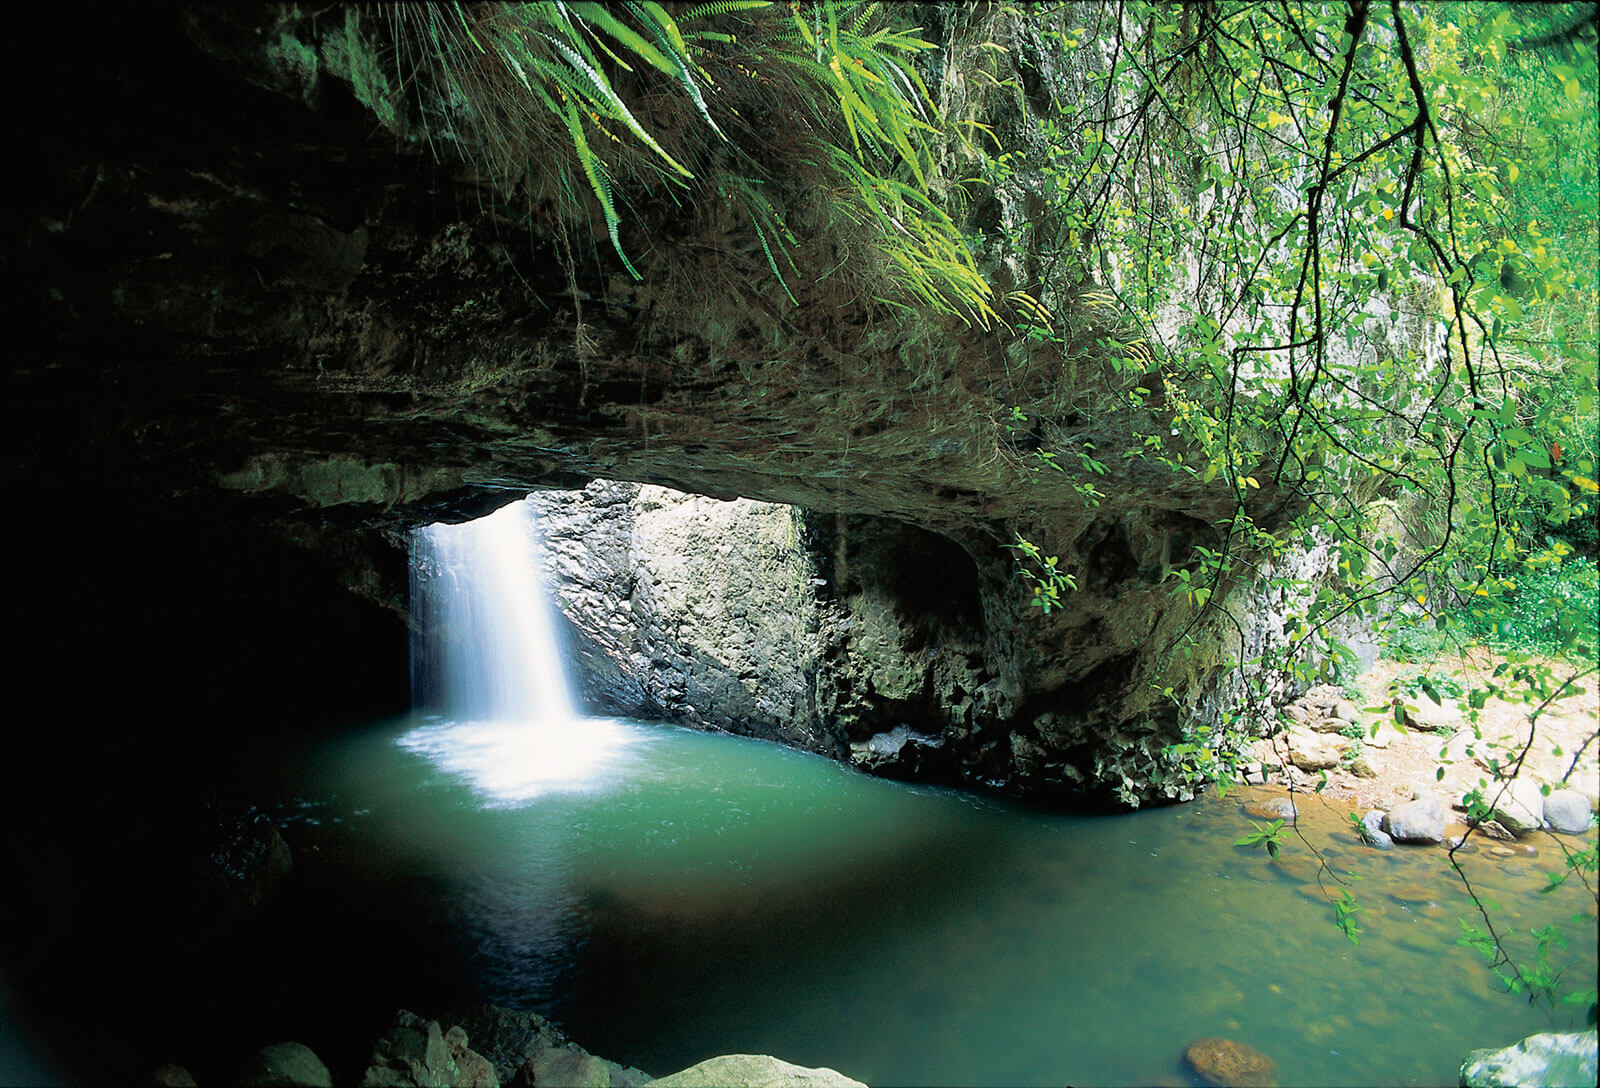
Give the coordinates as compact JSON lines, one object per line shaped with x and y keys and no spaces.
{"x":690,"y":894}
{"x":511,"y":763}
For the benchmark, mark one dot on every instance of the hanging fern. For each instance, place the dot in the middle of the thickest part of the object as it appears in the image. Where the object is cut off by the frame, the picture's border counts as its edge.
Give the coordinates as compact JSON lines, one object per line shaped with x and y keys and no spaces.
{"x":532,"y":88}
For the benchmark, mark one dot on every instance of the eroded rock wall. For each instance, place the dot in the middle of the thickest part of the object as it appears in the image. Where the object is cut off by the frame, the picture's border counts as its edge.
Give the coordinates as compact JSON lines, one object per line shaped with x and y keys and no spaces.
{"x":820,"y":631}
{"x":866,"y":639}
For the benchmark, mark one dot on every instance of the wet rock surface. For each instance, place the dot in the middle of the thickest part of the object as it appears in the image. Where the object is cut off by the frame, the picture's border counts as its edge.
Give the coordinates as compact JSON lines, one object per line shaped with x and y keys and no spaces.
{"x":1230,"y":1064}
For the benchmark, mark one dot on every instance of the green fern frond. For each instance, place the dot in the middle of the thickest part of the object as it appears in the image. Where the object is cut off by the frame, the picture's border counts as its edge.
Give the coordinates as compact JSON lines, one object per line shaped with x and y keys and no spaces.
{"x":722,"y":7}
{"x":601,"y":93}
{"x":654,"y":18}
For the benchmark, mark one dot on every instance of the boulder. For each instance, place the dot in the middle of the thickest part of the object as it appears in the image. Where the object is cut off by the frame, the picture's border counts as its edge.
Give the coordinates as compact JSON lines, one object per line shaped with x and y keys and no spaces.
{"x":1519,"y":806}
{"x":1320,"y":724}
{"x":1567,"y":811}
{"x":170,"y":1076}
{"x":1372,"y":832}
{"x":1314,"y":751}
{"x":566,"y":1066}
{"x":1431,"y":717}
{"x":1548,"y":1060}
{"x":506,"y":1037}
{"x":1346,"y":712}
{"x":473,"y":1070}
{"x":1419,"y":820}
{"x":1366,"y":765}
{"x":755,"y":1071}
{"x":286,"y":1065}
{"x":1229,"y":1064}
{"x":415,"y":1053}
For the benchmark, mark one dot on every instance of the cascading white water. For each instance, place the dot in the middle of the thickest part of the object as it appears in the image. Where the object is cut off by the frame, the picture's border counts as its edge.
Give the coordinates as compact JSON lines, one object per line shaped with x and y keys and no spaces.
{"x":484,"y":649}
{"x":486,"y":670}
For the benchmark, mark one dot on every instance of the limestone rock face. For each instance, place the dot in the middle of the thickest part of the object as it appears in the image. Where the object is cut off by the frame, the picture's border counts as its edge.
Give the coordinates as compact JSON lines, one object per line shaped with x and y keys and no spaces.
{"x":1549,"y":1060}
{"x":757,"y":618}
{"x":755,"y":1071}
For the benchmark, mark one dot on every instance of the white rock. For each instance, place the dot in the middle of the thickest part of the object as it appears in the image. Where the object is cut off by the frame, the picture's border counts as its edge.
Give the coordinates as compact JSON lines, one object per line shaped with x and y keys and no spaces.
{"x":1418,"y":820}
{"x":1520,"y":806}
{"x":1435,"y":718}
{"x":1315,"y":751}
{"x":755,"y":1071}
{"x":1567,"y":811}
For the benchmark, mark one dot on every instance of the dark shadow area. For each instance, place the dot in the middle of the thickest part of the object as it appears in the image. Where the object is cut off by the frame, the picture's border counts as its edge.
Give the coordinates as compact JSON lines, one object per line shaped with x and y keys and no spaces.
{"x":168,"y":655}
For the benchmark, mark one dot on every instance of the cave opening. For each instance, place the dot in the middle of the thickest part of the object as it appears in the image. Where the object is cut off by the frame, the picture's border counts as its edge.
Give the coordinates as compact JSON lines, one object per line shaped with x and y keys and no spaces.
{"x":797,"y":908}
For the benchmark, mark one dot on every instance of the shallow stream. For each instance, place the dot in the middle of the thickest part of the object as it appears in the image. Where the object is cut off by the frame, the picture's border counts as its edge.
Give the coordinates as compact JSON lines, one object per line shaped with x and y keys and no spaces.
{"x":667,"y":895}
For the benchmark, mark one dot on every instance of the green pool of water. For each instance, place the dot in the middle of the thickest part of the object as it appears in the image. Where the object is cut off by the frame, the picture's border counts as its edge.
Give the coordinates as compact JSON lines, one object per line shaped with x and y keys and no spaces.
{"x":682,"y":894}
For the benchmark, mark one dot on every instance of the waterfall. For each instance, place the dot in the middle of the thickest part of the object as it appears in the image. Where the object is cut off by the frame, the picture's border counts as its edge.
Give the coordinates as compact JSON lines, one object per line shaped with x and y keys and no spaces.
{"x":483,"y":648}
{"x":486,"y":671}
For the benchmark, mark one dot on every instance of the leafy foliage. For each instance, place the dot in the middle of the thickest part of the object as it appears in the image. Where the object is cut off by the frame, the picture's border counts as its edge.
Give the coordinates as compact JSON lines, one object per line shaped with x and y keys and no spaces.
{"x":1352,"y":245}
{"x":737,"y":103}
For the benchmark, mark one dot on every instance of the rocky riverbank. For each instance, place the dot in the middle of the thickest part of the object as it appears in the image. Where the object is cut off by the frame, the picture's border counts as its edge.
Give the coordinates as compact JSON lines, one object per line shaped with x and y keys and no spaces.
{"x":1537,"y":771}
{"x":488,"y":1046}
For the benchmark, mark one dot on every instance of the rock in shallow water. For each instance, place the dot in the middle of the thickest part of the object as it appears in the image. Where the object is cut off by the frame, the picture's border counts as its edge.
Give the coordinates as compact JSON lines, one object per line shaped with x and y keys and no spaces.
{"x":1519,"y":806}
{"x":1417,"y":820}
{"x":1567,"y":811}
{"x":1549,"y":1060}
{"x":1272,"y":808}
{"x":1372,"y":832}
{"x":1228,"y":1064}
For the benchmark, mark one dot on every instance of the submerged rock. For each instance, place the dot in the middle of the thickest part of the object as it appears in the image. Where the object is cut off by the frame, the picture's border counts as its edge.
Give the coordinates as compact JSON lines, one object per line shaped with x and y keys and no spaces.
{"x":1272,"y":808}
{"x":756,"y":1071}
{"x":286,"y":1065}
{"x":170,"y":1076}
{"x":1548,"y":1060}
{"x":1230,"y":1064}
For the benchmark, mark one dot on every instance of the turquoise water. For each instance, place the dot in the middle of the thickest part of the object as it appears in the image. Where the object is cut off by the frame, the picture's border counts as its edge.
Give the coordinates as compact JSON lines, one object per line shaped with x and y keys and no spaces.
{"x":668,"y":895}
